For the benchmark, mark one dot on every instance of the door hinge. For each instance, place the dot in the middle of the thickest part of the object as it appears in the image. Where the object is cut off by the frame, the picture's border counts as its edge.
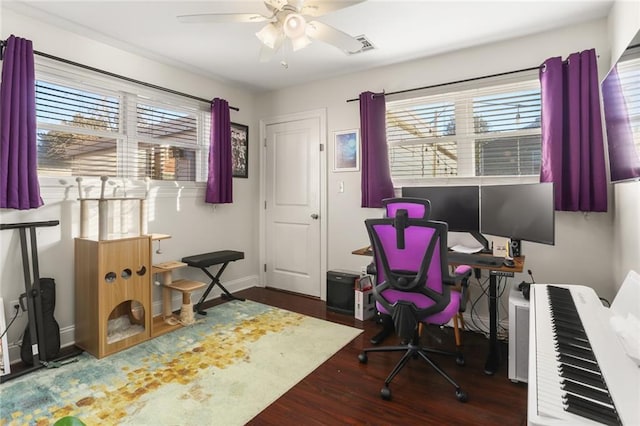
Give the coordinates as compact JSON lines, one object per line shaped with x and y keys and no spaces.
{"x":265,"y":142}
{"x":265,"y":205}
{"x":321,"y":147}
{"x":265,"y":267}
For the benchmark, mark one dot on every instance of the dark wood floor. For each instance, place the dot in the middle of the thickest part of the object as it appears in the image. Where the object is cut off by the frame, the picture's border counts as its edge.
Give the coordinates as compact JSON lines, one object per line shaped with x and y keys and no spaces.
{"x":343,"y":391}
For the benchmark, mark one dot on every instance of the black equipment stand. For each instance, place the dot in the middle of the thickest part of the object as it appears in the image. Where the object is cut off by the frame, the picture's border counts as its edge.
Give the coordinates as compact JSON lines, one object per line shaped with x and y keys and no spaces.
{"x":203,"y":261}
{"x":33,"y":294}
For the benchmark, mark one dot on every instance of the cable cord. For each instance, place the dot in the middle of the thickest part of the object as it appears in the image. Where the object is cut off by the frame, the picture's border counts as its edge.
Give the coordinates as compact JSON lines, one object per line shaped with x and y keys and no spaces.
{"x":482,"y":328}
{"x":11,"y":322}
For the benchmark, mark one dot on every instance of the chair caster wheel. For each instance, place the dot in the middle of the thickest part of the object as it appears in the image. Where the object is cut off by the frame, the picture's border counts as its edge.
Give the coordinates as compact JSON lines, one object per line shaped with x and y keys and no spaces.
{"x":385,"y":393}
{"x":460,"y":360}
{"x":461,"y":395}
{"x":363,"y":358}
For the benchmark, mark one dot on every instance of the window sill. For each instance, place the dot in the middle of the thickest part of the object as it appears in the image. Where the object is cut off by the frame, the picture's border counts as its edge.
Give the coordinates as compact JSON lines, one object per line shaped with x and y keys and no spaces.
{"x":66,"y":187}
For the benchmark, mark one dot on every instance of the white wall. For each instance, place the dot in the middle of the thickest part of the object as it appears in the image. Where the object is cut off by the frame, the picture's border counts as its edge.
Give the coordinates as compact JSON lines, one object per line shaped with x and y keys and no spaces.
{"x":196,"y":227}
{"x":624,"y":28}
{"x":582,"y":254}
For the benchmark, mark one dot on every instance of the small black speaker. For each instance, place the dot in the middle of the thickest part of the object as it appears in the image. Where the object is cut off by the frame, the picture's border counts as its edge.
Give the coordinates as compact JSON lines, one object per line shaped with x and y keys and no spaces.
{"x":515,"y":248}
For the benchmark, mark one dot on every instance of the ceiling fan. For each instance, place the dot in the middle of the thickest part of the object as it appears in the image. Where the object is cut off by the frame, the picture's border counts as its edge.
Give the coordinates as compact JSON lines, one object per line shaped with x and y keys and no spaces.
{"x":292,"y":20}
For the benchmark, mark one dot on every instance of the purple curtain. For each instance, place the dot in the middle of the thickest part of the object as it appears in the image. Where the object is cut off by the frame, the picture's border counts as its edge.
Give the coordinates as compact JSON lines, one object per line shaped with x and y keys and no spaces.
{"x":220,"y":182}
{"x":572,"y":140}
{"x":376,"y":176}
{"x":19,"y":187}
{"x":624,"y":159}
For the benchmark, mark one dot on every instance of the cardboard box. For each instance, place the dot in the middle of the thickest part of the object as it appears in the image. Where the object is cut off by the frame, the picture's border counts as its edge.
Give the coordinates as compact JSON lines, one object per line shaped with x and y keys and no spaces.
{"x":365,"y":304}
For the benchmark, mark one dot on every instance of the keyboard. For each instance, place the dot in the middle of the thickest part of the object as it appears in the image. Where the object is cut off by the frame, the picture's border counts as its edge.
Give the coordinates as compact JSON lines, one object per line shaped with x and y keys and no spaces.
{"x":578,"y":371}
{"x":474,"y":259}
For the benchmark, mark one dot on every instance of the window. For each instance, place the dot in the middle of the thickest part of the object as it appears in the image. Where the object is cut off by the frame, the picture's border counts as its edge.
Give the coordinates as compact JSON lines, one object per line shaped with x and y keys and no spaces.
{"x":78,"y":130}
{"x":85,"y":129}
{"x":469,"y":132}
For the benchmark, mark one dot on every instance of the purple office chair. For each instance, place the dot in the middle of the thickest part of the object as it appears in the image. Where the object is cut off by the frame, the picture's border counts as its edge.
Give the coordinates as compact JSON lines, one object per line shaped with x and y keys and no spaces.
{"x":416,"y":289}
{"x":418,"y":208}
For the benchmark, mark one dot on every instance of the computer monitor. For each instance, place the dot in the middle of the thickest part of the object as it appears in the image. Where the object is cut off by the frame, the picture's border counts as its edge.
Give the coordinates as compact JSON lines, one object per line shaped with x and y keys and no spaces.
{"x":459,"y":206}
{"x":520,"y":212}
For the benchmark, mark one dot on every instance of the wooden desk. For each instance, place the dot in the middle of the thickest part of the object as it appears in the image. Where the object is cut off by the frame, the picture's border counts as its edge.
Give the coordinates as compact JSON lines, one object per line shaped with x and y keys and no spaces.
{"x":475,"y":261}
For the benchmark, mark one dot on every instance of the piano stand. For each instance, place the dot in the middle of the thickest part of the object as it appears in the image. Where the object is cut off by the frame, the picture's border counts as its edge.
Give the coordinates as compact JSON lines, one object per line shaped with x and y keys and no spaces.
{"x":206,"y":260}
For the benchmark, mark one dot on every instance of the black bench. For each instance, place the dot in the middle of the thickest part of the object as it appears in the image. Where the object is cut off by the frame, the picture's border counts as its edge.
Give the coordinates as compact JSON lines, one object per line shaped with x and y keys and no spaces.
{"x":205,"y":260}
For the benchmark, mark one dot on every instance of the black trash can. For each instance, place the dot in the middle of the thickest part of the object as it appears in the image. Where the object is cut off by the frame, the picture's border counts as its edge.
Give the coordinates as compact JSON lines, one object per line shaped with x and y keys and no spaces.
{"x":340,"y":291}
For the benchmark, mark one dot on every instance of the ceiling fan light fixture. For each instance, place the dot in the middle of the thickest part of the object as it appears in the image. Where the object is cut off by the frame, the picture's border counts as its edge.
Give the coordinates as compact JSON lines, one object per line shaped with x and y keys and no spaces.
{"x":294,"y":26}
{"x":300,"y":42}
{"x":269,"y":35}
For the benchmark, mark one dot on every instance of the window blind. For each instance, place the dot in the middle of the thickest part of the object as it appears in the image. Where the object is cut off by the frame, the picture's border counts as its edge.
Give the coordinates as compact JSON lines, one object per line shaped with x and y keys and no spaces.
{"x":78,"y":130}
{"x":87,"y":130}
{"x":493,"y":130}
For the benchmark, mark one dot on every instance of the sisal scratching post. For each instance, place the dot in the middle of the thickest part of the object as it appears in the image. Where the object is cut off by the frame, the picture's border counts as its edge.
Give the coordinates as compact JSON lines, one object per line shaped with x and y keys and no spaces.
{"x":187,"y":317}
{"x":186,"y":311}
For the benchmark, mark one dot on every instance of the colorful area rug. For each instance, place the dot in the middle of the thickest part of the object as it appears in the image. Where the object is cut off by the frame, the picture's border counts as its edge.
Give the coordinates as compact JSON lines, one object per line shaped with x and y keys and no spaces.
{"x":223,"y":370}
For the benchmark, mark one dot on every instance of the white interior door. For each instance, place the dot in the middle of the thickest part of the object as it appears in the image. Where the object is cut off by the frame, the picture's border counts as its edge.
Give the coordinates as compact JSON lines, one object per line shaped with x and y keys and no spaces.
{"x":292,"y":214}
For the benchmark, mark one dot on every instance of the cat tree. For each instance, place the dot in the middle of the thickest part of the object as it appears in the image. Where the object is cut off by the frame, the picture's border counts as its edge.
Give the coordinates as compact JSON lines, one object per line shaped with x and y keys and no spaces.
{"x":113,"y":271}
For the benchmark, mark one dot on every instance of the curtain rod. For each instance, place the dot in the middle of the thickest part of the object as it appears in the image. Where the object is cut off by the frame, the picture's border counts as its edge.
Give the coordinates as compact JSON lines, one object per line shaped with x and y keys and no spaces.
{"x":452,"y":82}
{"x":3,"y":43}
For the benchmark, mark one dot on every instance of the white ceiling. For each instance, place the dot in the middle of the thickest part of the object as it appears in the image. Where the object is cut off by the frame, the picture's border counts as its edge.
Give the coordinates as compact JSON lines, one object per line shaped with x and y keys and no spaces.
{"x":399,"y":30}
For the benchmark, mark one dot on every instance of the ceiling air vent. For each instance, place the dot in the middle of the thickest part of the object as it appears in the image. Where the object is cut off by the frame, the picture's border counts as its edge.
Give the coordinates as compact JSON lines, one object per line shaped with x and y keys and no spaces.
{"x":366,"y":44}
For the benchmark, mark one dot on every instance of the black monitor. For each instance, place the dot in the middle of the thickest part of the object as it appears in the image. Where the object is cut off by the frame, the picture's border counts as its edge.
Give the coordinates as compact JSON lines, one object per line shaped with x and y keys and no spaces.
{"x":459,"y":206}
{"x":520,"y":212}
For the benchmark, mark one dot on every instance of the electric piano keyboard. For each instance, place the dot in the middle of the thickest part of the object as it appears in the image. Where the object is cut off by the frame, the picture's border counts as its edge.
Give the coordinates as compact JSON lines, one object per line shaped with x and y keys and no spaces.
{"x":580,"y":373}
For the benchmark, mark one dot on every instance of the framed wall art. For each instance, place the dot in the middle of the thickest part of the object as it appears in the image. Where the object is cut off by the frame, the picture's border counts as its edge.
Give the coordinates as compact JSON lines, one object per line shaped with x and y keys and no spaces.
{"x":346,"y":151}
{"x":240,"y":150}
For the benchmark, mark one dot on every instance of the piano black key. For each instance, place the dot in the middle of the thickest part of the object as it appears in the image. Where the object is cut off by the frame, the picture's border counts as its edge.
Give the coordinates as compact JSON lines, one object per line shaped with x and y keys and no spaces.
{"x":560,"y":324}
{"x":582,"y":376}
{"x":591,"y":410}
{"x":586,"y":346}
{"x":587,"y":392}
{"x":573,"y":350}
{"x":577,"y":362}
{"x":580,"y":337}
{"x":577,"y":343}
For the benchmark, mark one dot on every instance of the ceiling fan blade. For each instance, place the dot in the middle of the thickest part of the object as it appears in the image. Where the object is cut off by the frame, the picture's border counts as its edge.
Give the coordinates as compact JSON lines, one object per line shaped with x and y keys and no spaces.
{"x":317,"y":8}
{"x":275,"y":4}
{"x":333,"y":36}
{"x":223,"y":18}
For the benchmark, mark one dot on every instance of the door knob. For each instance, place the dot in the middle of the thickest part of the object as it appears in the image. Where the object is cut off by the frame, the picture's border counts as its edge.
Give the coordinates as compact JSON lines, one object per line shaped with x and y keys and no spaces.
{"x":315,"y":216}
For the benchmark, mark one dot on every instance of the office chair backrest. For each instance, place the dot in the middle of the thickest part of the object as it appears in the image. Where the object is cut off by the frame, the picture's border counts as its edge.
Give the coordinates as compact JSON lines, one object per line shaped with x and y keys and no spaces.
{"x":411,"y":254}
{"x":418,"y":208}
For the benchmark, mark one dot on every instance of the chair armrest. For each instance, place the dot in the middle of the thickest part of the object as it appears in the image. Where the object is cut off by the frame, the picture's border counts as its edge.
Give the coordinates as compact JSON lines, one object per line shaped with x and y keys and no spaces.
{"x":461,"y":275}
{"x":371,"y":269}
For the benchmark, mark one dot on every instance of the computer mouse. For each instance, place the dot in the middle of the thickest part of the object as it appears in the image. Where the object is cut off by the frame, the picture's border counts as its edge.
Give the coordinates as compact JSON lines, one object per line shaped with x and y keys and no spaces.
{"x":509,"y":263}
